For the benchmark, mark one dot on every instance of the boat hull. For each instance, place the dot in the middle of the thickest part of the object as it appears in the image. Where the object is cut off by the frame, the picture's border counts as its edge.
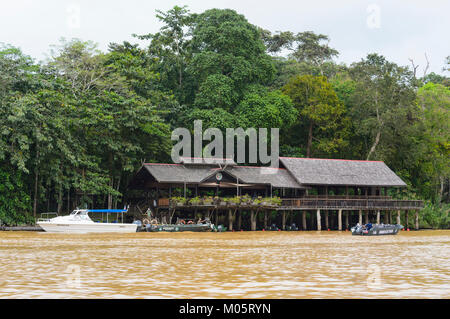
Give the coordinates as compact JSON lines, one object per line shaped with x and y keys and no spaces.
{"x":179,"y":228}
{"x":377,"y":230}
{"x":83,"y":228}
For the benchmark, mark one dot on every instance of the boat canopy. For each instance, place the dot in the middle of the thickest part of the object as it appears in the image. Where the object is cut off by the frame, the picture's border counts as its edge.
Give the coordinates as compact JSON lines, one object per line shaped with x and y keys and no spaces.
{"x":107,"y":210}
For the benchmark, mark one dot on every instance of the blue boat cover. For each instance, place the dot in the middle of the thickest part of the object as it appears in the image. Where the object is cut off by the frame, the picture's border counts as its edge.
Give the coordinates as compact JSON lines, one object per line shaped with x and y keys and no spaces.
{"x":107,"y":210}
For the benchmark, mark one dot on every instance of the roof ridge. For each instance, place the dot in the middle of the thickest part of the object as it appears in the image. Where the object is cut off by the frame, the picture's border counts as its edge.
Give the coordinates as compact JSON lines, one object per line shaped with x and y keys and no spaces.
{"x":330,"y":159}
{"x":162,"y":164}
{"x":259,"y":167}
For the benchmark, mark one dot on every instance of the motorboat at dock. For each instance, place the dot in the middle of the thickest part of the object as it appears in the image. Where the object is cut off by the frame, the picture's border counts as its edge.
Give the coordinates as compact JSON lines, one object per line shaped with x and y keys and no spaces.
{"x":79,"y":222}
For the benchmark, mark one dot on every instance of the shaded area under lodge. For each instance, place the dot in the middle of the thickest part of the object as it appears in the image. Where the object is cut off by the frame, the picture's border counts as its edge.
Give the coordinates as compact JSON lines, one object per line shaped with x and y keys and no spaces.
{"x":303,"y":190}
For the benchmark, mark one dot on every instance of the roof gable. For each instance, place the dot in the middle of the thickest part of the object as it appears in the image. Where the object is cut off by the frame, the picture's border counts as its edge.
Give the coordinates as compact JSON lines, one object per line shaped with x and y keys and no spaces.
{"x":310,"y":171}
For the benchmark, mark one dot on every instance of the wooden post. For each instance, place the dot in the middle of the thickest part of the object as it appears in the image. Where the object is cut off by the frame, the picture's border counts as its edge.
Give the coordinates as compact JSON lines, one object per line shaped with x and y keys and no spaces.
{"x":265,"y":218}
{"x":239,"y":221}
{"x":346,"y":219}
{"x":386,"y":217}
{"x":367,"y":217}
{"x":304,"y":220}
{"x":360,"y":217}
{"x":416,"y":226}
{"x":230,"y":220}
{"x":327,"y":224}
{"x":253,"y":220}
{"x":318,"y":220}
{"x":406,"y":219}
{"x":283,"y":220}
{"x":398,"y":218}
{"x":390,"y":217}
{"x":340,"y":219}
{"x":378,"y":217}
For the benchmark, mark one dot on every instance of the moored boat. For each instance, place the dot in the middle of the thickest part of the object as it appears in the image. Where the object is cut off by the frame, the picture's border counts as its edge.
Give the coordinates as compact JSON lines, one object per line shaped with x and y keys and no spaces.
{"x":79,"y":222}
{"x":376,"y":230}
{"x":181,"y":226}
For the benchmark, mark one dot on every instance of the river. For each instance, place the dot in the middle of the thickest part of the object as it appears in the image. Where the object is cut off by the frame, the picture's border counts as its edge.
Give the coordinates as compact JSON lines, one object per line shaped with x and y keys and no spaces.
{"x":225,"y":265}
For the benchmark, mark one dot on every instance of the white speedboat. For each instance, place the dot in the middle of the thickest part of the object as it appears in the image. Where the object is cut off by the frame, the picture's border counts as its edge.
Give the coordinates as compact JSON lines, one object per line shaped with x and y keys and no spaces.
{"x":80,"y":222}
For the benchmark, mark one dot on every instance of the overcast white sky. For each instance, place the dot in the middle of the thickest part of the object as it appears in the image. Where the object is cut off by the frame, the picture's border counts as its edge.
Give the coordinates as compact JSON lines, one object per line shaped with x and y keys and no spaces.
{"x":398,"y":29}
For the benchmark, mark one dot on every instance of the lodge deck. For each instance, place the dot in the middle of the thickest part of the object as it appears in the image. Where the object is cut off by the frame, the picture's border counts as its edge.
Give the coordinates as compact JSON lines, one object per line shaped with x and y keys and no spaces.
{"x":376,"y":203}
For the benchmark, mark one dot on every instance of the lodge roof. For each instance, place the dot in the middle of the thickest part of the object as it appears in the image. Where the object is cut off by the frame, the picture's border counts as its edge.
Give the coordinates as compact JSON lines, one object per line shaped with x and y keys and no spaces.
{"x":311,"y":171}
{"x":294,"y":173}
{"x":179,"y":173}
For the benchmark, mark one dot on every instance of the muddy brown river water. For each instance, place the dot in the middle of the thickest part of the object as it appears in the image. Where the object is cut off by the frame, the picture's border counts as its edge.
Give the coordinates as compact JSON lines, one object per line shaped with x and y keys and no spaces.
{"x":225,"y":265}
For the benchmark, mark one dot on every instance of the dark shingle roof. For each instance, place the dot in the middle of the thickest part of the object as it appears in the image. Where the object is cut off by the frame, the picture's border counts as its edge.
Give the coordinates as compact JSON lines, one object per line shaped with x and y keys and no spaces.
{"x":278,"y":177}
{"x":308,"y":171}
{"x":207,"y":161}
{"x":178,"y":173}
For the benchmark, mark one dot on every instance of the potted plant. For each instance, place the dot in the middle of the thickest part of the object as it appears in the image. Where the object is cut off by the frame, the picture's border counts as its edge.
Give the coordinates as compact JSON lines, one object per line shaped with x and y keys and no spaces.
{"x":195,"y":201}
{"x":257,"y":201}
{"x":234,"y":201}
{"x":178,"y":201}
{"x":208,"y":200}
{"x":246,"y":200}
{"x":266,"y":201}
{"x":223,"y":201}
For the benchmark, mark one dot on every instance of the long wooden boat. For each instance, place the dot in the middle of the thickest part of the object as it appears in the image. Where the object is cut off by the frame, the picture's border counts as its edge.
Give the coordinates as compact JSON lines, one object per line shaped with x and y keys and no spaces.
{"x":179,"y":227}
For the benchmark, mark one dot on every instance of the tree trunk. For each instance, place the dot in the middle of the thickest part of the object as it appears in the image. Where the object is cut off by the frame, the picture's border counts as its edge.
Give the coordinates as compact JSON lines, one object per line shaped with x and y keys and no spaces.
{"x":58,"y":210}
{"x":36,"y":181}
{"x":310,"y":137}
{"x":416,"y":226}
{"x":377,"y":140}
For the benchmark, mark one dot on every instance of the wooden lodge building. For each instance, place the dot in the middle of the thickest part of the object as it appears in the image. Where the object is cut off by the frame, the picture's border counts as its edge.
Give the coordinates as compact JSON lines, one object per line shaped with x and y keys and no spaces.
{"x":314,"y":193}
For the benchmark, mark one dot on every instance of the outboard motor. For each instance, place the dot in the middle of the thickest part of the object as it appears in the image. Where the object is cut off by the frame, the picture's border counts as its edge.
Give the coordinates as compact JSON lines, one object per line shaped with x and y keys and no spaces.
{"x":138,"y":223}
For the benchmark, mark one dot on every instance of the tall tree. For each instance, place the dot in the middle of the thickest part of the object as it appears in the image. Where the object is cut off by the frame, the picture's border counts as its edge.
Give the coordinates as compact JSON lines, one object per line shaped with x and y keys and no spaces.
{"x":321,"y":113}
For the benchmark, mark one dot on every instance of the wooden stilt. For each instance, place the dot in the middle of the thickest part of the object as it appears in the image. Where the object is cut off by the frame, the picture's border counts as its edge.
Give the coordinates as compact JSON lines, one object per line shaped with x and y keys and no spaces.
{"x":318,"y":220}
{"x":346,"y":220}
{"x":283,"y":220}
{"x":230,"y":220}
{"x":253,"y":220}
{"x":266,"y":213}
{"x":406,"y":219}
{"x":239,"y":221}
{"x":304,"y":220}
{"x":416,"y":219}
{"x":398,"y":218}
{"x":366,"y":217}
{"x":327,"y":224}
{"x":360,"y":217}
{"x":378,"y":217}
{"x":386,"y":217}
{"x":340,"y":219}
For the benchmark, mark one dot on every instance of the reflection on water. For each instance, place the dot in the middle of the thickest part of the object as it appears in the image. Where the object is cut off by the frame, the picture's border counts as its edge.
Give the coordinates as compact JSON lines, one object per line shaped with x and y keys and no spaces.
{"x":225,"y":265}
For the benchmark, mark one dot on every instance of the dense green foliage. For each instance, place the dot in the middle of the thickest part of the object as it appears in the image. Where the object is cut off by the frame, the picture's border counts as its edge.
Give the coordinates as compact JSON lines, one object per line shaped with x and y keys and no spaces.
{"x":75,"y":128}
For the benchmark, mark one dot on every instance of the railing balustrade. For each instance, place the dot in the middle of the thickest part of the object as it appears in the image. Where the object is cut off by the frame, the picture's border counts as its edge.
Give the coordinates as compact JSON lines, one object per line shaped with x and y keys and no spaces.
{"x":318,"y":203}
